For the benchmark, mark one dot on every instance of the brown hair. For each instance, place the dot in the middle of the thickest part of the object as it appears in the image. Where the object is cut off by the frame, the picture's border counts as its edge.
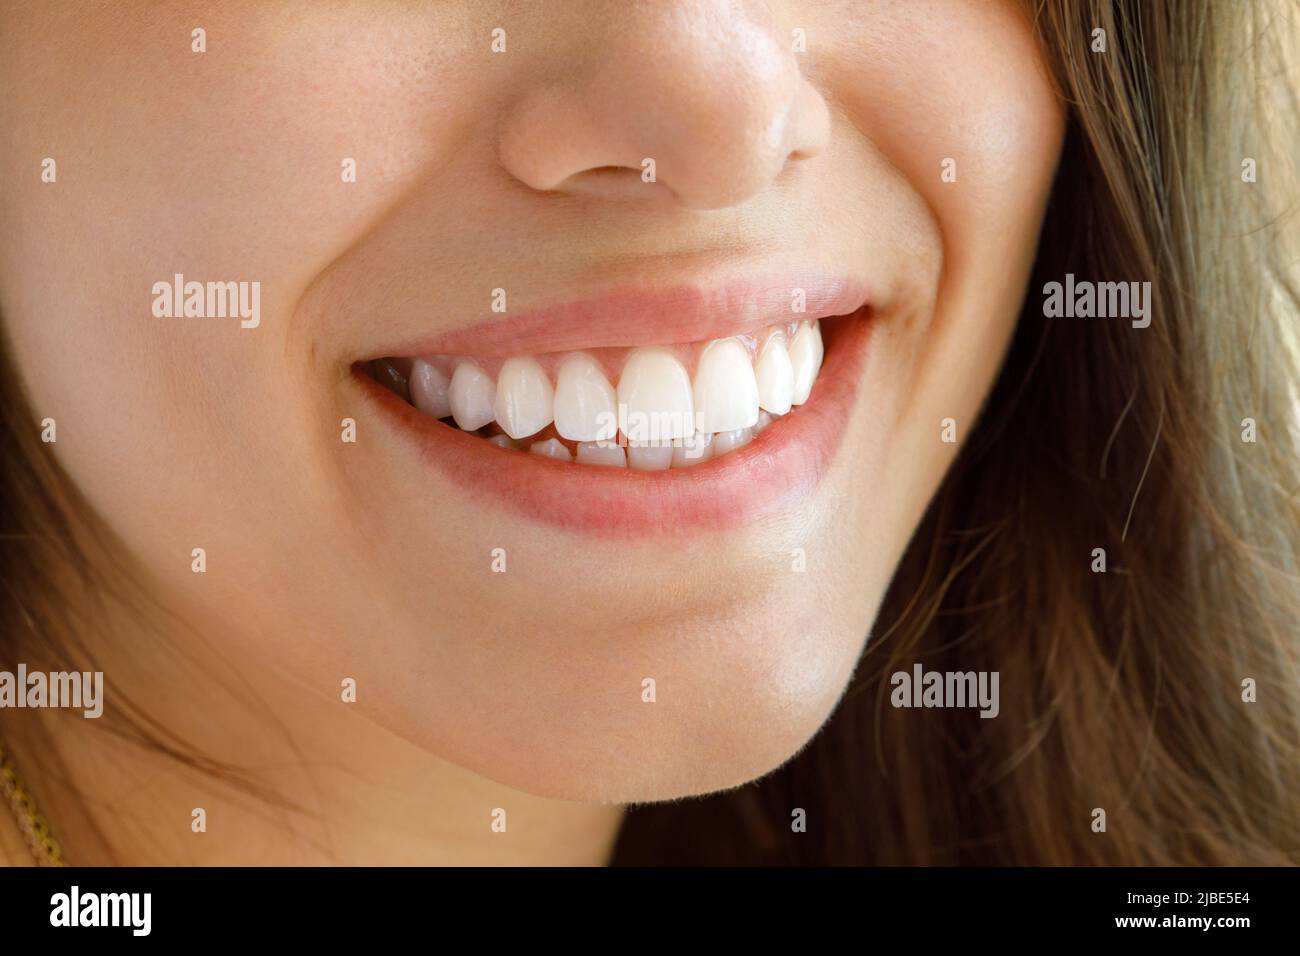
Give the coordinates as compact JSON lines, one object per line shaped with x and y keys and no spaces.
{"x":1121,"y":690}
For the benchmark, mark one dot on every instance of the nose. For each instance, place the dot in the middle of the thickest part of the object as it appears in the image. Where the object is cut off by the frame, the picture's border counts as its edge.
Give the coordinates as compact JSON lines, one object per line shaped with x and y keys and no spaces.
{"x":703,"y":99}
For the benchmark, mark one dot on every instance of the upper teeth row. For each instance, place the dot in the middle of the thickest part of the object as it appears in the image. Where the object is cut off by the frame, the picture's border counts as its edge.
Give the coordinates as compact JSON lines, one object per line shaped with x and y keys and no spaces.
{"x":729,"y":389}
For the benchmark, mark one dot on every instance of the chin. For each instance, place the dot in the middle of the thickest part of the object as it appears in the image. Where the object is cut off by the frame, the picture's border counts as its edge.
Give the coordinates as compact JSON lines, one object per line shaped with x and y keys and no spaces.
{"x":735,"y":697}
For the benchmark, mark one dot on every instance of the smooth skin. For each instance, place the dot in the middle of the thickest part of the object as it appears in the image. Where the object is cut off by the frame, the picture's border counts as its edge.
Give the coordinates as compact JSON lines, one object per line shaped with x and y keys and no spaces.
{"x":325,"y":561}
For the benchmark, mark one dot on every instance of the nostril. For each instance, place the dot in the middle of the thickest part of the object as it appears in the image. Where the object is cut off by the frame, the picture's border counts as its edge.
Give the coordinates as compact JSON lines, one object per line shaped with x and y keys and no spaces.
{"x":610,"y":176}
{"x":615,"y":183}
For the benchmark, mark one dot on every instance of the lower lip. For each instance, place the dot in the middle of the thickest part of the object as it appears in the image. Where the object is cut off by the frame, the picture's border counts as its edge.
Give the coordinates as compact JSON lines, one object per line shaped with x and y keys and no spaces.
{"x":781,"y":466}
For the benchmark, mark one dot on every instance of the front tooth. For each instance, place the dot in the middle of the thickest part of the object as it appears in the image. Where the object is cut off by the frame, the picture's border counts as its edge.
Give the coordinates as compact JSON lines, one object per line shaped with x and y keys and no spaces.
{"x":775,"y":375}
{"x":806,"y":358}
{"x":551,"y":448}
{"x":649,"y":457}
{"x":601,"y":453}
{"x":764,"y":419}
{"x":724,"y":442}
{"x":726,"y":393}
{"x":502,"y":441}
{"x":655,"y":393}
{"x":429,"y":389}
{"x":525,"y":401}
{"x":694,"y":450}
{"x":471,"y":396}
{"x":585,"y":409}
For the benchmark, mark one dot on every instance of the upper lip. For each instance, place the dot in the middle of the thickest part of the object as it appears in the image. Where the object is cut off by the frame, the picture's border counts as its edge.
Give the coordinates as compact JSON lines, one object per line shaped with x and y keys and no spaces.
{"x":628,"y":316}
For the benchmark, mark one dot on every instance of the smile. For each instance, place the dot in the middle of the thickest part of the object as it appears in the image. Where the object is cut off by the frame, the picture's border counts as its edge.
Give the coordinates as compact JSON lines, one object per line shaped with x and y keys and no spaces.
{"x":634,"y":438}
{"x":659,"y":416}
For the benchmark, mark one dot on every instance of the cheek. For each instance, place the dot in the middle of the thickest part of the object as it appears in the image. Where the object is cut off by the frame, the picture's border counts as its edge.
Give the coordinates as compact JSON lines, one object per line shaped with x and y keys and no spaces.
{"x":960,"y":88}
{"x":958,"y":101}
{"x":207,"y":166}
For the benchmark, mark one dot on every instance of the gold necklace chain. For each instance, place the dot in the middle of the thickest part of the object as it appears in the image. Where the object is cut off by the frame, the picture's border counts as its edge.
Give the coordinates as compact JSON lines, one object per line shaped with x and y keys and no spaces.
{"x":37,"y":831}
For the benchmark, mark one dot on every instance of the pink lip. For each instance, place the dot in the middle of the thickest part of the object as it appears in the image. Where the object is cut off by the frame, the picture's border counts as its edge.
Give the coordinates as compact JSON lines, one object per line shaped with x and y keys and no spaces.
{"x":785,"y":462}
{"x":630,"y":317}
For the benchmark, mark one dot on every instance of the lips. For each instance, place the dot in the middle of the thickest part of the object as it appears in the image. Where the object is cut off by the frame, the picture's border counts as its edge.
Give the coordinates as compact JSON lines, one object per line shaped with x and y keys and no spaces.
{"x":669,"y":438}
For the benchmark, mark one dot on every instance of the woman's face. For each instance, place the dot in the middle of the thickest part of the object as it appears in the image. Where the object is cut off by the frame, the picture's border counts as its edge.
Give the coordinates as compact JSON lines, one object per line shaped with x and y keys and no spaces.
{"x":466,"y":183}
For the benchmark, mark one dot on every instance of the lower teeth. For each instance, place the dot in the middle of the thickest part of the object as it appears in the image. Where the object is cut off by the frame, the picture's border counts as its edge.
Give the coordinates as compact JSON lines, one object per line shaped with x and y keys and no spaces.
{"x":621,"y":453}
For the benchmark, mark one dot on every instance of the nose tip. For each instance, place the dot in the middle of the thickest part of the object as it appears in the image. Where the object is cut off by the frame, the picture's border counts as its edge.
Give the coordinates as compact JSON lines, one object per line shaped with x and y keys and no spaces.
{"x":708,"y":112}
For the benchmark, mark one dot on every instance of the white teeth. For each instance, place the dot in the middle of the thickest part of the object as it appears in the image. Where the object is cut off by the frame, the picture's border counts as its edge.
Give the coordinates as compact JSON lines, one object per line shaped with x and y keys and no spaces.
{"x":775,"y":375}
{"x":551,"y":448}
{"x":726,"y":394}
{"x":655,"y":391}
{"x":694,"y":450}
{"x":585,"y":409}
{"x":657,"y":457}
{"x":601,"y":453}
{"x":429,"y":389}
{"x":525,"y":401}
{"x":668,"y":420}
{"x":471,"y":396}
{"x":724,"y":442}
{"x":806,"y":358}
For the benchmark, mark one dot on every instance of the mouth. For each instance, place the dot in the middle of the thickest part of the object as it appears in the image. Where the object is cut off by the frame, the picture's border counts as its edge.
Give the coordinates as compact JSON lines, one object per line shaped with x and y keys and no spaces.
{"x":599,"y":428}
